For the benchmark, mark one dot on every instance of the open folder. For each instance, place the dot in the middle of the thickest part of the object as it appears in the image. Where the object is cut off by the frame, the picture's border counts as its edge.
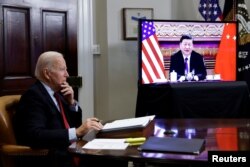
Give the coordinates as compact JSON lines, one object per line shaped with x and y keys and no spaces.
{"x":173,"y":145}
{"x":129,"y":123}
{"x":127,"y":128}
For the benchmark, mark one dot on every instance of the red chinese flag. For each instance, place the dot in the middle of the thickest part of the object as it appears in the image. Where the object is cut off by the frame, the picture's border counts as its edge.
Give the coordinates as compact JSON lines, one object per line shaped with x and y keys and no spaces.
{"x":225,"y":64}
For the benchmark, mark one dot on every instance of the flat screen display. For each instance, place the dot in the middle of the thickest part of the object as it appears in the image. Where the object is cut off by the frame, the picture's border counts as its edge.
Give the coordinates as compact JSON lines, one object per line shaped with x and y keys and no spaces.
{"x":180,"y":51}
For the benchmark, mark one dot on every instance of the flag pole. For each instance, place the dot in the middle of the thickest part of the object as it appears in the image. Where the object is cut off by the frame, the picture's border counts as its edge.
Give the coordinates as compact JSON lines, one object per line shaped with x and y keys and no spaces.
{"x":207,"y":10}
{"x":234,"y":9}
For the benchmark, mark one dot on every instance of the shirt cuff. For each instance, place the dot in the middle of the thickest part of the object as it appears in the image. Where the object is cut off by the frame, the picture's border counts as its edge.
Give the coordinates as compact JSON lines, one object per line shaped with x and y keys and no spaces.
{"x":72,"y":134}
{"x":75,"y":106}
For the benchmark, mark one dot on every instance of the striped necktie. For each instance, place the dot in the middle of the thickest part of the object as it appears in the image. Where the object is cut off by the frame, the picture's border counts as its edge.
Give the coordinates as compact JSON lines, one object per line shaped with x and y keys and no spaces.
{"x":76,"y":160}
{"x":66,"y":124}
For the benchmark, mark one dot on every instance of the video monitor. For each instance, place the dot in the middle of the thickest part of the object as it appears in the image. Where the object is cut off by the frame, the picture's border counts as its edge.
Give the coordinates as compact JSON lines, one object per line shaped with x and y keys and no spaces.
{"x":179,"y":51}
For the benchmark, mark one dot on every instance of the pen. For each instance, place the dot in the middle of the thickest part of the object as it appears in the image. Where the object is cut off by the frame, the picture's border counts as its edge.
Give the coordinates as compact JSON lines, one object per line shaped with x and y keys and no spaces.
{"x":100,"y":121}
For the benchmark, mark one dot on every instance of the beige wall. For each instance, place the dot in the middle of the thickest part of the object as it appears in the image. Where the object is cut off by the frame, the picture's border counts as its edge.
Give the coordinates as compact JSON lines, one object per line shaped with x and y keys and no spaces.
{"x":116,"y":68}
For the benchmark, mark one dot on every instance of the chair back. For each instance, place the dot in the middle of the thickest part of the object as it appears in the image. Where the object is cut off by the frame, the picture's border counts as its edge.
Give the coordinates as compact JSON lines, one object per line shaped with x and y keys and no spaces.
{"x":12,"y":154}
{"x":8,"y":106}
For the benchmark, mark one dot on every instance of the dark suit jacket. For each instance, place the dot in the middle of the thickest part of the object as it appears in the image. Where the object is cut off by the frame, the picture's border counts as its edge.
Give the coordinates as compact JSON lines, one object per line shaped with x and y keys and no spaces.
{"x":196,"y":64}
{"x":38,"y":123}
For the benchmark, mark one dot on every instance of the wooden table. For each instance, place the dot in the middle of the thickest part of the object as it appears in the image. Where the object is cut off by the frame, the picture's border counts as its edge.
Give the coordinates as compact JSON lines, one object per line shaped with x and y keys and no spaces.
{"x":220,"y":135}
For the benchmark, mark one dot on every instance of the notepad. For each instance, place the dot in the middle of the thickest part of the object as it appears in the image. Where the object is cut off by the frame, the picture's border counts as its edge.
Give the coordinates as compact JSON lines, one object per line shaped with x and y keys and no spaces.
{"x":127,"y":123}
{"x":173,"y":145}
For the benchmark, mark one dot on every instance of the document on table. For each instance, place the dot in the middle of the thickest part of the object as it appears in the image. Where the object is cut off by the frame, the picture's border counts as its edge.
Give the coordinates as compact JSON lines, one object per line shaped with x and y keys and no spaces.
{"x":110,"y":144}
{"x":128,"y":123}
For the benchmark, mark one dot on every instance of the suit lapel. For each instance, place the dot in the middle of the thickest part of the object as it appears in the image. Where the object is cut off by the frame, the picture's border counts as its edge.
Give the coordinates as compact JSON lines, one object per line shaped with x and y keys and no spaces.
{"x":52,"y":104}
{"x":47,"y":96}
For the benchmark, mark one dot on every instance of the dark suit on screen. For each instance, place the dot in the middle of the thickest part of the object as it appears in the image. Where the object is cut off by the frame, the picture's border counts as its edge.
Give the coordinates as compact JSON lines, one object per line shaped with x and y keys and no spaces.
{"x":40,"y":124}
{"x":196,"y":64}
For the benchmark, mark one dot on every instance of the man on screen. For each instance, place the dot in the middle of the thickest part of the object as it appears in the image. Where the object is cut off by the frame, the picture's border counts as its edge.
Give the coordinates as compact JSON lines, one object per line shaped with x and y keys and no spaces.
{"x":188,"y":64}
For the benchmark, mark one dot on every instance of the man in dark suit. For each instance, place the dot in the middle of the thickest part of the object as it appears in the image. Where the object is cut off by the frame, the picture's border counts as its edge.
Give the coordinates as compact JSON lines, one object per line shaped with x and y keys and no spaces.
{"x":38,"y":121}
{"x":186,"y":61}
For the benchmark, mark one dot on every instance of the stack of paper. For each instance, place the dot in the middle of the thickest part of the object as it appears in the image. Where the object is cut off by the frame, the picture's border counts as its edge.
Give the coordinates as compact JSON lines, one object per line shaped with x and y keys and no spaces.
{"x":112,"y":144}
{"x":128,"y":123}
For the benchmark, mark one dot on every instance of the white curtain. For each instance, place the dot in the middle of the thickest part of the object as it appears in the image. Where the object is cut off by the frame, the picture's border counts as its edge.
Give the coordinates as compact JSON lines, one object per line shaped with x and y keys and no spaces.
{"x":85,"y":57}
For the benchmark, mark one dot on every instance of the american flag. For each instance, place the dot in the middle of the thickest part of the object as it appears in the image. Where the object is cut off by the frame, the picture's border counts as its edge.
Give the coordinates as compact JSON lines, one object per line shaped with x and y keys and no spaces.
{"x":152,"y":58}
{"x":210,"y":10}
